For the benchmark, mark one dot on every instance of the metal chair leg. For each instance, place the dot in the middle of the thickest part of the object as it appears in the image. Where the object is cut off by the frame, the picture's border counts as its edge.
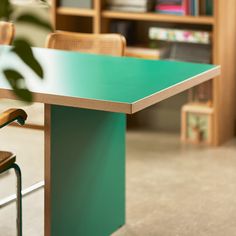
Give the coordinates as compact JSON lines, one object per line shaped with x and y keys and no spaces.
{"x":19,"y":199}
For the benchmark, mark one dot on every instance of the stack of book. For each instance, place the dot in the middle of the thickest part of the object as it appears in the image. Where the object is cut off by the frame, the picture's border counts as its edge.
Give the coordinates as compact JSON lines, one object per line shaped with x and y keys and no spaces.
{"x":184,"y":7}
{"x":130,"y":5}
{"x":176,"y":7}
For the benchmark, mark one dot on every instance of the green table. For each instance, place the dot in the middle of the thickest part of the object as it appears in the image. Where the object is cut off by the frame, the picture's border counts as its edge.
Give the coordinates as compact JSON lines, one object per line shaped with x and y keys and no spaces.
{"x":86,"y":98}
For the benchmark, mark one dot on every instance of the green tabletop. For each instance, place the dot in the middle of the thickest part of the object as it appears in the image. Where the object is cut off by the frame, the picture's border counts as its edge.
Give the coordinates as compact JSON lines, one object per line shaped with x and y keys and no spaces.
{"x":103,"y":82}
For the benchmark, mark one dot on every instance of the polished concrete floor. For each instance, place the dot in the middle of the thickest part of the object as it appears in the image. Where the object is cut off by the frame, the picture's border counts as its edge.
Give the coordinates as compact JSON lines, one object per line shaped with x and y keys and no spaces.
{"x":172,"y":189}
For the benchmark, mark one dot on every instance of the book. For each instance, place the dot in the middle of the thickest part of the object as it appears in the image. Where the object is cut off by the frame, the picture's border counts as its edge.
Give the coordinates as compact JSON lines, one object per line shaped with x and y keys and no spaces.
{"x":169,"y":2}
{"x":179,"y":13}
{"x":185,"y":7}
{"x":209,"y":7}
{"x":127,"y":8}
{"x":196,"y":8}
{"x":192,"y":7}
{"x":169,"y":7}
{"x":176,"y":7}
{"x":177,"y":35}
{"x":180,"y":7}
{"x":130,"y":5}
{"x":128,"y":2}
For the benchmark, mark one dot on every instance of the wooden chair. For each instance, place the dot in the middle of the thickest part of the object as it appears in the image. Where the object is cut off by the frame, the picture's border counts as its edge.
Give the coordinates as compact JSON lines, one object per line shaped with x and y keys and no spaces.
{"x":7,"y":32}
{"x":107,"y":44}
{"x":7,"y":159}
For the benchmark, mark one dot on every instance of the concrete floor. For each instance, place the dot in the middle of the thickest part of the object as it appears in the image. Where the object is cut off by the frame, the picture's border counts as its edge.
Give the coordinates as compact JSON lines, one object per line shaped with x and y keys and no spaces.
{"x":172,"y":189}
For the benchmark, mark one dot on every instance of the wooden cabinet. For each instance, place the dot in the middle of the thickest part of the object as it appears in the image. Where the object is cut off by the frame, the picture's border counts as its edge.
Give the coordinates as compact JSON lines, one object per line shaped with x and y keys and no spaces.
{"x":222,"y":25}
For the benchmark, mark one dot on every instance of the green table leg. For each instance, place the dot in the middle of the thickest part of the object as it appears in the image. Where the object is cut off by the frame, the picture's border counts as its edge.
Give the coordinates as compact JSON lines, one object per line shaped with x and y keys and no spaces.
{"x":86,"y":177}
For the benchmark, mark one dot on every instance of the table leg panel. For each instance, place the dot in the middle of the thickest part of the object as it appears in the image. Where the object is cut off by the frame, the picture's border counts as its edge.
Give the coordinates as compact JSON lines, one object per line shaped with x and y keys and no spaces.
{"x":87,"y":172}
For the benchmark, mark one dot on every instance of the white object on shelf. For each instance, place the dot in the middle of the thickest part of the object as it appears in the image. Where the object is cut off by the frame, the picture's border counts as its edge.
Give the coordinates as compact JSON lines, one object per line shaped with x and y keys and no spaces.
{"x":177,"y":35}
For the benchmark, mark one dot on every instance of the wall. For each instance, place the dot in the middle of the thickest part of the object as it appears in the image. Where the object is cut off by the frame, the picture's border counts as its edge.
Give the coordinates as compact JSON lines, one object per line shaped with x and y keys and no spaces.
{"x":36,"y":35}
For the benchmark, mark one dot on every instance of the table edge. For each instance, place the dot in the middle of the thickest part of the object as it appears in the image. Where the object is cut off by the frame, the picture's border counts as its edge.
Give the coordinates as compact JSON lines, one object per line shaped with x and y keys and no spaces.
{"x":175,"y":89}
{"x":85,"y":103}
{"x":119,"y":107}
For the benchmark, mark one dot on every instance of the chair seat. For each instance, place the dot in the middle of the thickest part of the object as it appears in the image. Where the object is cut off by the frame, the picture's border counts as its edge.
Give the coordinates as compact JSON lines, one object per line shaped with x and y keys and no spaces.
{"x":6,"y":160}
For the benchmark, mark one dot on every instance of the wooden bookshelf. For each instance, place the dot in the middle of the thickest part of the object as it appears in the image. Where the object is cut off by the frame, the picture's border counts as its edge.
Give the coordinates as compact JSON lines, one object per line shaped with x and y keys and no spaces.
{"x":222,"y":26}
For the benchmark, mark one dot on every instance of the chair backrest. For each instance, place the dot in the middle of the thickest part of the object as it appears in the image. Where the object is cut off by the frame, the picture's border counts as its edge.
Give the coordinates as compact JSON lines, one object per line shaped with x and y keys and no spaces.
{"x":108,"y":44}
{"x":7,"y":31}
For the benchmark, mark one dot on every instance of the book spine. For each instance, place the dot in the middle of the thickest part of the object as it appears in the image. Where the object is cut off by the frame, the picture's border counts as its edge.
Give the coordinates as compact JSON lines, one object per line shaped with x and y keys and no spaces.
{"x":186,"y":7}
{"x":179,"y":13}
{"x":209,"y":7}
{"x":193,"y":7}
{"x":170,"y":8}
{"x":196,"y":7}
{"x":169,"y":2}
{"x":203,"y":7}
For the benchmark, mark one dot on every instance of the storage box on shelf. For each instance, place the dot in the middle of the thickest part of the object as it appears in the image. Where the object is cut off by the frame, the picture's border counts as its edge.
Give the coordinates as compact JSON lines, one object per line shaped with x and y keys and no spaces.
{"x":197,"y":123}
{"x":221,"y":24}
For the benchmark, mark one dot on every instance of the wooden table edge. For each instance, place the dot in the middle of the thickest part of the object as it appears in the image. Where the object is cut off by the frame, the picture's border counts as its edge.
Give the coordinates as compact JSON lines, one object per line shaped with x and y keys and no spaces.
{"x":85,"y":103}
{"x":175,"y":89}
{"x":119,"y":107}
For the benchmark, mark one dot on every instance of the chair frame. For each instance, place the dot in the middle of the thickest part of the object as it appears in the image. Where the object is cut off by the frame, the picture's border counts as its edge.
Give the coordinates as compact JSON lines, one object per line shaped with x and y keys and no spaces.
{"x":18,"y":194}
{"x":6,"y":118}
{"x":10,"y":32}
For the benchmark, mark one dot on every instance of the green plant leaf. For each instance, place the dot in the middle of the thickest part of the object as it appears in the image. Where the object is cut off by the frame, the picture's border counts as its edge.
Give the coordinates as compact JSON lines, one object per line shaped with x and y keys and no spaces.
{"x":23,"y":50}
{"x":32,"y":19}
{"x":5,"y":9}
{"x":43,"y":1}
{"x":17,"y":82}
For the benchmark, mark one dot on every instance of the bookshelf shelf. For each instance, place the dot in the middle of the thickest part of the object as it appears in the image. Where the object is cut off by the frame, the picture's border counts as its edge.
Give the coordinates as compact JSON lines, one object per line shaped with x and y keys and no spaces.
{"x":75,"y":11}
{"x":201,"y":20}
